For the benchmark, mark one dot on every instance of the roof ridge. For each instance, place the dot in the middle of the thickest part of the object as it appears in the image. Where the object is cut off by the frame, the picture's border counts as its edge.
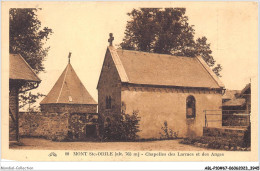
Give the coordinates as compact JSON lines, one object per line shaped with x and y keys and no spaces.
{"x":190,"y":57}
{"x":118,"y":63}
{"x":62,"y":83}
{"x":81,"y":86}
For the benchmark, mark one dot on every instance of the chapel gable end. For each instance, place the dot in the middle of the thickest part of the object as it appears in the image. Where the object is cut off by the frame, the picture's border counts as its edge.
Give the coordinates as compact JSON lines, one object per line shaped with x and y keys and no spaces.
{"x":109,"y":87}
{"x":109,"y":75}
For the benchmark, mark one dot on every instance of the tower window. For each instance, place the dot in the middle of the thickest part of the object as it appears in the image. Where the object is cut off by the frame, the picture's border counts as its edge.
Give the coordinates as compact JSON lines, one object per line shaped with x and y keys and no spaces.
{"x":108,"y":102}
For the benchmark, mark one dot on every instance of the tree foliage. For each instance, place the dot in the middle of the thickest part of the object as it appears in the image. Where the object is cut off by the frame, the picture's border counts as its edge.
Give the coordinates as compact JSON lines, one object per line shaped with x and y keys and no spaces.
{"x":166,"y":31}
{"x":27,"y":37}
{"x":28,"y":98}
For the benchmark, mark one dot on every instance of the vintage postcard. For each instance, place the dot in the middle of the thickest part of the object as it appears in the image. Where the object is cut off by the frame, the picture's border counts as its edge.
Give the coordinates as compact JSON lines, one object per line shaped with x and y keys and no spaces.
{"x":129,"y":81}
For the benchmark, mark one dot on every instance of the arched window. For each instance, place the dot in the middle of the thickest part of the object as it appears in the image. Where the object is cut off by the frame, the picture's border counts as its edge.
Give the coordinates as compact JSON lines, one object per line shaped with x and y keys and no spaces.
{"x":190,"y":107}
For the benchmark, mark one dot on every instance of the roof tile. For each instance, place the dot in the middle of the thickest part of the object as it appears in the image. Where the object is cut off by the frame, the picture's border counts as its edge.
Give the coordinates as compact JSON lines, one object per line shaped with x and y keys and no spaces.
{"x":68,"y":90}
{"x":19,"y":69}
{"x":166,"y":70}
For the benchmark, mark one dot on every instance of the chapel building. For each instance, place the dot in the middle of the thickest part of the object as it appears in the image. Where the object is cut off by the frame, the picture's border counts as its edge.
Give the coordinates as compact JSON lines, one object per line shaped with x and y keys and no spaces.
{"x":163,"y":88}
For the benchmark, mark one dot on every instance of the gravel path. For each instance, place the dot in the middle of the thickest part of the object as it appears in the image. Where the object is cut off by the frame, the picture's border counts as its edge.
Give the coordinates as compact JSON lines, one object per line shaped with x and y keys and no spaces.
{"x":166,"y":145}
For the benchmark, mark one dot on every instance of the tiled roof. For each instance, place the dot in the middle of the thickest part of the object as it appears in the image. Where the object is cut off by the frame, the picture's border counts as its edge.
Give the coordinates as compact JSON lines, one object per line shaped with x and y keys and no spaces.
{"x":235,"y":102}
{"x":19,"y":69}
{"x":230,"y":94}
{"x":68,"y":90}
{"x":246,"y":90}
{"x":161,"y":69}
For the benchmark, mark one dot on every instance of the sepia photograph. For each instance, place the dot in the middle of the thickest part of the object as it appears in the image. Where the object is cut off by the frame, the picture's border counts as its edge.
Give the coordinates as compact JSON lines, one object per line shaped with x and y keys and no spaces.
{"x":151,"y":80}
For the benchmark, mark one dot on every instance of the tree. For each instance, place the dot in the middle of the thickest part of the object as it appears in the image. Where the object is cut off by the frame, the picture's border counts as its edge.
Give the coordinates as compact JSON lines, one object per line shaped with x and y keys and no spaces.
{"x":28,"y":98}
{"x":166,"y":31}
{"x":26,"y":37}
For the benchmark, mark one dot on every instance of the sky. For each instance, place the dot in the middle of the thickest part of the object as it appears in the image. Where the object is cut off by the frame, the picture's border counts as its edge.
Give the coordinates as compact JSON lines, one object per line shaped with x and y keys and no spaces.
{"x":83,"y":28}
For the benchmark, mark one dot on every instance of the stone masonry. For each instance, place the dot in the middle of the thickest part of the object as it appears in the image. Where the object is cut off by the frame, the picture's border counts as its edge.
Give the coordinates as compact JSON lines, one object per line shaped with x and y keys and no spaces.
{"x":109,"y":85}
{"x":71,"y":108}
{"x":59,"y":126}
{"x":52,"y":126}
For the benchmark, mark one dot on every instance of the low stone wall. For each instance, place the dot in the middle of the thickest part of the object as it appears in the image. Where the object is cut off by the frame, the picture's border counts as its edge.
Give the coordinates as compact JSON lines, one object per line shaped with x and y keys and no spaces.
{"x":236,"y":120}
{"x":224,"y":132}
{"x":52,"y":126}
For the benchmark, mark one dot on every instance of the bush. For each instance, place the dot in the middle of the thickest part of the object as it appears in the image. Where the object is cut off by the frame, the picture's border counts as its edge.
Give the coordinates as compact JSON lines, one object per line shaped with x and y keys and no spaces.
{"x":168,"y":133}
{"x":215,"y":142}
{"x":122,"y":127}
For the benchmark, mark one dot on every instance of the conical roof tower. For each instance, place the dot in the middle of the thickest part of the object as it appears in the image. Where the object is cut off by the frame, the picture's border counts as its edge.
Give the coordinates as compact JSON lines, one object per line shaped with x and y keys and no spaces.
{"x":68,"y":95}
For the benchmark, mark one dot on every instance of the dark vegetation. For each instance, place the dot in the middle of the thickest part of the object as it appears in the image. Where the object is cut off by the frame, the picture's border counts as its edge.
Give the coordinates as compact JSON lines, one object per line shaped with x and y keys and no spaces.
{"x":28,"y":38}
{"x":222,"y":143}
{"x":122,"y":127}
{"x":166,"y":31}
